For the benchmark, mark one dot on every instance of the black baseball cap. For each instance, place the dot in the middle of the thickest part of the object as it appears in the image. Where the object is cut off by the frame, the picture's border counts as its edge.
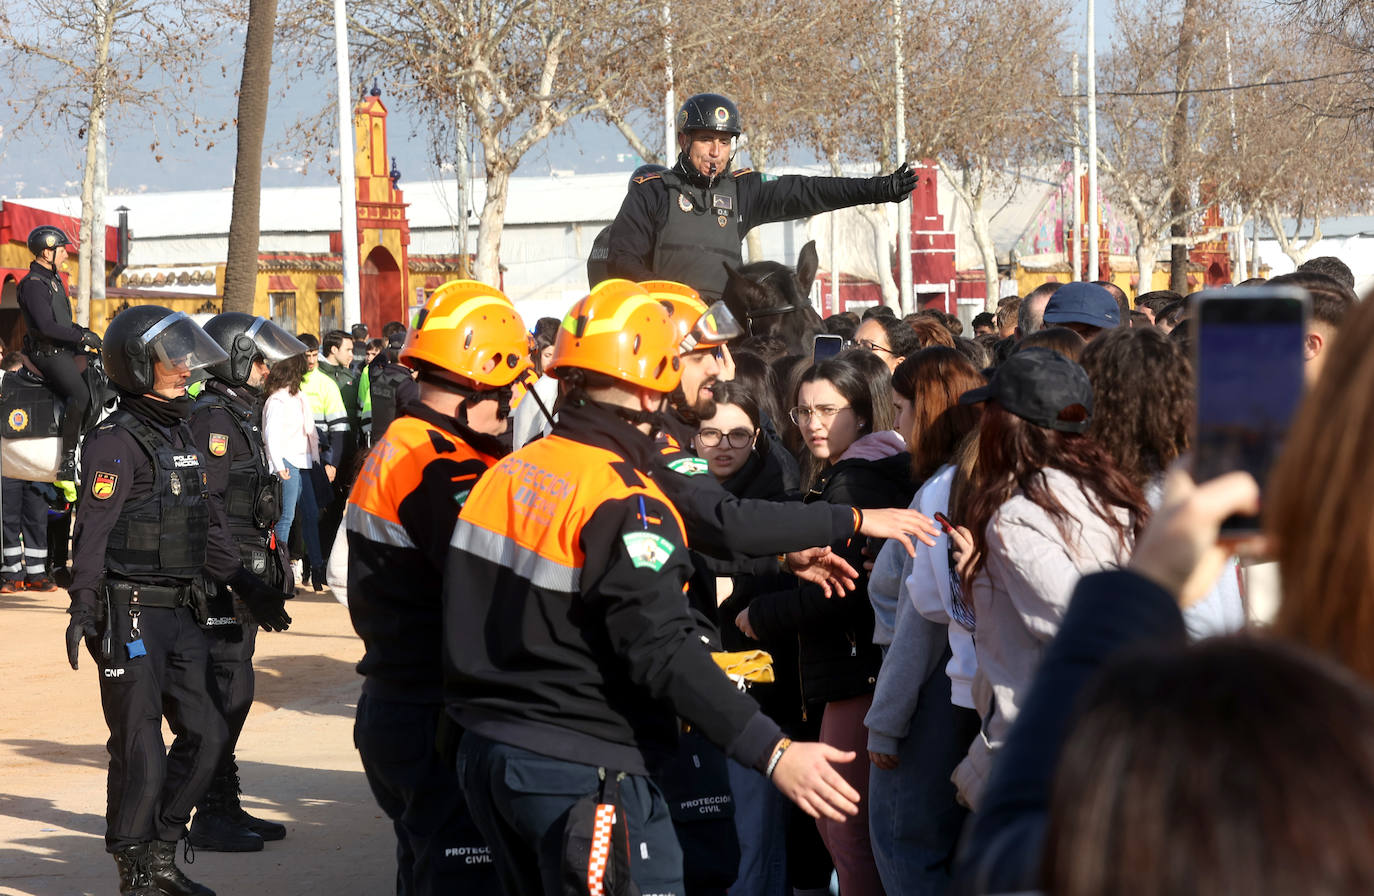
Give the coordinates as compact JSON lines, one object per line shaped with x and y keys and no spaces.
{"x":1039,"y":385}
{"x":1083,"y":303}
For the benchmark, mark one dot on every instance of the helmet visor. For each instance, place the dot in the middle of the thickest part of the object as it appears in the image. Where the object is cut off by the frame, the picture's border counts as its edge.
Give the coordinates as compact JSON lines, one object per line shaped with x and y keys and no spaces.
{"x":716,"y":327}
{"x":275,"y":343}
{"x":181,"y":344}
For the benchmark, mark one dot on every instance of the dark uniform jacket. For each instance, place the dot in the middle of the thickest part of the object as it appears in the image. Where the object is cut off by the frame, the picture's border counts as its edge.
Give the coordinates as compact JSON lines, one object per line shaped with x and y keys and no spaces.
{"x":400,"y":518}
{"x":567,"y":630}
{"x":47,"y":310}
{"x":838,"y":656}
{"x":119,"y":474}
{"x":681,"y":225}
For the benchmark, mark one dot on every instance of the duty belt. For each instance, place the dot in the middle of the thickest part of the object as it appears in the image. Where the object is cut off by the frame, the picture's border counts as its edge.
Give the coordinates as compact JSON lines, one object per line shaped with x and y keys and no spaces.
{"x":138,"y":595}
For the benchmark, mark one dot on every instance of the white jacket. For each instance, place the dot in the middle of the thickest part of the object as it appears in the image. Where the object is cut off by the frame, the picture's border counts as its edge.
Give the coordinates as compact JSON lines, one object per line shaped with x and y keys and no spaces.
{"x":288,"y":431}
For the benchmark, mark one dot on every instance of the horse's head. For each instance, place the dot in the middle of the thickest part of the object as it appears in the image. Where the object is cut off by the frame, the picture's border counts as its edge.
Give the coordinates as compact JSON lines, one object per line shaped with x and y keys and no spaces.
{"x":771,"y":299}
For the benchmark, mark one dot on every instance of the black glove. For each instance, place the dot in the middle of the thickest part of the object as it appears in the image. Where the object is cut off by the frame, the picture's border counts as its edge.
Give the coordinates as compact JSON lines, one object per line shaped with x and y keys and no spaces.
{"x":85,"y":612}
{"x":267,"y":606}
{"x":91,"y":340}
{"x":899,"y":183}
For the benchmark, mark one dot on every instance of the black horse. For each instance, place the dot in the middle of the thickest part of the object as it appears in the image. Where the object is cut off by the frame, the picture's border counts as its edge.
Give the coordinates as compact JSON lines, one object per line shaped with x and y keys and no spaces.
{"x":771,"y":299}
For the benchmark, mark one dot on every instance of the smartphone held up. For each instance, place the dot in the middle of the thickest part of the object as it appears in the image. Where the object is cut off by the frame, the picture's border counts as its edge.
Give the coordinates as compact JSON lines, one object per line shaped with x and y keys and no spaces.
{"x":1249,"y":356}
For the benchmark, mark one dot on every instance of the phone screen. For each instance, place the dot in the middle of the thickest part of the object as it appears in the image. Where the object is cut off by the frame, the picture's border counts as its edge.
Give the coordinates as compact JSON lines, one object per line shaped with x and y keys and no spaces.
{"x":1249,"y":368}
{"x":826,"y":346}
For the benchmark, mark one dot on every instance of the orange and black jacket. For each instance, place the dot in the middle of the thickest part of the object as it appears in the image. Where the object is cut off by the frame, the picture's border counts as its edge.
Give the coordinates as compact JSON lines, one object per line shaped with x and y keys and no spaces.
{"x":400,"y":518}
{"x":568,"y":632}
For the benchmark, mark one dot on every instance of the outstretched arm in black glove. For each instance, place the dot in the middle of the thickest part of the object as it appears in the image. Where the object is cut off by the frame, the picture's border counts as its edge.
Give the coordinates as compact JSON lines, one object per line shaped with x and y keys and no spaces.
{"x":85,"y":622}
{"x":263,"y":601}
{"x":900,"y":183}
{"x":91,"y":340}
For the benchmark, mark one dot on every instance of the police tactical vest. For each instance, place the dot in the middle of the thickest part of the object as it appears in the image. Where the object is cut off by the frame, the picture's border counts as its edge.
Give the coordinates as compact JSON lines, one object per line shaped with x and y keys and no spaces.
{"x":383,"y":391}
{"x":164,"y":532}
{"x":702,"y":231}
{"x":252,"y":497}
{"x":57,"y":296}
{"x":597,"y":269}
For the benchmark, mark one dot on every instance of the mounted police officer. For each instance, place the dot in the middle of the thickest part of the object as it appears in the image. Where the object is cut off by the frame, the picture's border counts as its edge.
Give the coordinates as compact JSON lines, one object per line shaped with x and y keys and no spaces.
{"x":144,"y":534}
{"x":683,"y":224}
{"x":53,"y":339}
{"x":245,"y":499}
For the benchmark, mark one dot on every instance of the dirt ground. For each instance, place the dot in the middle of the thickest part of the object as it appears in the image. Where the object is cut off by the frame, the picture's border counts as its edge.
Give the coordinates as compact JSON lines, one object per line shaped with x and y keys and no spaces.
{"x":296,"y":760}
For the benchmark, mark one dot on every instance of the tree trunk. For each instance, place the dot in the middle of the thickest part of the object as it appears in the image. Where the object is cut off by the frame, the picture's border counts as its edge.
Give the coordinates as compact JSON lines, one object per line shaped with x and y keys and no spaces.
{"x":241,"y":270}
{"x":753,"y":240}
{"x":982,"y":236}
{"x":96,"y":248}
{"x":93,"y":206}
{"x":1179,"y":138}
{"x":1295,"y":250}
{"x":492,"y":220}
{"x":883,"y":238}
{"x":1146,"y":251}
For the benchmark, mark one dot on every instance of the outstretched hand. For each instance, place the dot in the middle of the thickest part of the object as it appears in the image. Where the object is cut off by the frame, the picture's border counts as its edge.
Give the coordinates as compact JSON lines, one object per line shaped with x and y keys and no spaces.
{"x":900,"y":183}
{"x":825,"y":568}
{"x":899,"y":523}
{"x":806,"y":775}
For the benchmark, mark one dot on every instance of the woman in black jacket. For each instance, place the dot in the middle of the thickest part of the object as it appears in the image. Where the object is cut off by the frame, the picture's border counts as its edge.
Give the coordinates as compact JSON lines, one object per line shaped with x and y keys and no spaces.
{"x":854,"y":458}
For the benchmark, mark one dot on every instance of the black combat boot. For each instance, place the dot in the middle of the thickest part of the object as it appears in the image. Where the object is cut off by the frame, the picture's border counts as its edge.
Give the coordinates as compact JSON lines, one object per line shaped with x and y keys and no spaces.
{"x":134,"y":879}
{"x":166,"y":876}
{"x":229,"y":792}
{"x":215,"y":826}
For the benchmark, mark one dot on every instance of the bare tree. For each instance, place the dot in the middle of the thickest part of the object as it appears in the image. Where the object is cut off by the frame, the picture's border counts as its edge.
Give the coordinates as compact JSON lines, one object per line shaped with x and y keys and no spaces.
{"x":83,"y":65}
{"x":522,"y":70}
{"x":984,"y":100}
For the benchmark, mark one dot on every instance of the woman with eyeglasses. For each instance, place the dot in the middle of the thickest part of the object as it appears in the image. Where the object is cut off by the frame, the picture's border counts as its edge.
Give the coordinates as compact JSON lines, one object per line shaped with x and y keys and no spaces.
{"x":922,"y":719}
{"x":777,"y":844}
{"x":855,"y":458}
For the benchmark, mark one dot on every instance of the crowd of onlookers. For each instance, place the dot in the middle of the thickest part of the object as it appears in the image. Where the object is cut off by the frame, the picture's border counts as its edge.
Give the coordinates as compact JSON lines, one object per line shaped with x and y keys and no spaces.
{"x":1044,"y":441}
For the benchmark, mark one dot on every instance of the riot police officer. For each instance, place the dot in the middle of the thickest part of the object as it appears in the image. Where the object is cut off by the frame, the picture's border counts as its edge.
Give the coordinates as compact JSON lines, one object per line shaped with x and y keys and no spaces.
{"x":682,"y":224}
{"x":53,"y":339}
{"x":245,"y":499}
{"x":142,"y":537}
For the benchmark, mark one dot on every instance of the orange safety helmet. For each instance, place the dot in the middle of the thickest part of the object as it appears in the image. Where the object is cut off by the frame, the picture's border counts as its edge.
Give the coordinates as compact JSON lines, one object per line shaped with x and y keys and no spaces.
{"x":471,"y":329}
{"x":620,"y":330}
{"x":684,"y":304}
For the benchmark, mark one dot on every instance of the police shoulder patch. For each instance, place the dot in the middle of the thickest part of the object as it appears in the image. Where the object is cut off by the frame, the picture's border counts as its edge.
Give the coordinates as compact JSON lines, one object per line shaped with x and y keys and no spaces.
{"x":689,"y":466}
{"x":103,"y":485}
{"x":647,"y":550}
{"x":743,"y":171}
{"x":219,"y":443}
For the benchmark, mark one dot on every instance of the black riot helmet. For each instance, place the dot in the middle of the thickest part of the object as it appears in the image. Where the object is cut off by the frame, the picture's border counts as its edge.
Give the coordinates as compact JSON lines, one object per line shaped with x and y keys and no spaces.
{"x":644,"y":171}
{"x":708,"y":112}
{"x":45,"y":237}
{"x":144,"y":334}
{"x":246,"y":338}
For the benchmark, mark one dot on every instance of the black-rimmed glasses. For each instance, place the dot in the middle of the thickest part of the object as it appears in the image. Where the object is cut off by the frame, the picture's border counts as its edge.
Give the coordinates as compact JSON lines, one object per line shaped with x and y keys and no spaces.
{"x":735,"y":438}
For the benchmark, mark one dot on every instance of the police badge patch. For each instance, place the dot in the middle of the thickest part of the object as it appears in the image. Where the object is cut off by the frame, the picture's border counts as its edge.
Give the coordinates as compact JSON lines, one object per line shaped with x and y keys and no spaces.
{"x":174,"y":483}
{"x":218,"y":444}
{"x":103,"y":485}
{"x":19,"y":420}
{"x":684,"y":203}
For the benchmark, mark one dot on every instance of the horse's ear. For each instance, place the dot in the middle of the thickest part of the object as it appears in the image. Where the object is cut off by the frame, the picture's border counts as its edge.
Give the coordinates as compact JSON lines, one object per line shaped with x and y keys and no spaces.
{"x":808,"y":262}
{"x":743,"y":285}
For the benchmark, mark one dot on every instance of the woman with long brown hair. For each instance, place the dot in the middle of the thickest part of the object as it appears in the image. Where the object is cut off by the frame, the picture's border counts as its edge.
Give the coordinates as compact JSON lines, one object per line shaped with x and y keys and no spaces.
{"x":1143,"y":394}
{"x":289,"y":435}
{"x":922,"y":719}
{"x":1047,"y":505}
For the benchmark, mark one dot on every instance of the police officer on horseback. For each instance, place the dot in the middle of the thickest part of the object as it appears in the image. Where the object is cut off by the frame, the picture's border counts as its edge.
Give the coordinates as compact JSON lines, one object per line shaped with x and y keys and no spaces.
{"x":245,"y":499}
{"x":681,"y":225}
{"x":144,"y":535}
{"x":53,"y":339}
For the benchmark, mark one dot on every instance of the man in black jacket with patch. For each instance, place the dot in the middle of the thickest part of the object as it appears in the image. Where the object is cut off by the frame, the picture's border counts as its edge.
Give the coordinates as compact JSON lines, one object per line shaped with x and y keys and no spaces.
{"x":681,"y":225}
{"x":53,"y":339}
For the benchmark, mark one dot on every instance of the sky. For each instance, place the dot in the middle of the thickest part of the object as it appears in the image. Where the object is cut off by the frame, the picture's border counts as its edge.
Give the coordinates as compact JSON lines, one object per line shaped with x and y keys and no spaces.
{"x":144,"y":154}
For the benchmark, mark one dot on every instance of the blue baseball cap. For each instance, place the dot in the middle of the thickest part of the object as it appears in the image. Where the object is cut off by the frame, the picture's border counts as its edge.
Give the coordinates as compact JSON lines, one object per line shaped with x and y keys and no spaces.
{"x":1083,"y":303}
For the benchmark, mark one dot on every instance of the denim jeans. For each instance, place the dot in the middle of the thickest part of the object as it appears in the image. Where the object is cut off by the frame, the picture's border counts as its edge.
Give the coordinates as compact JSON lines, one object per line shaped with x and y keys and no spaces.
{"x":914,"y":821}
{"x":298,"y":497}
